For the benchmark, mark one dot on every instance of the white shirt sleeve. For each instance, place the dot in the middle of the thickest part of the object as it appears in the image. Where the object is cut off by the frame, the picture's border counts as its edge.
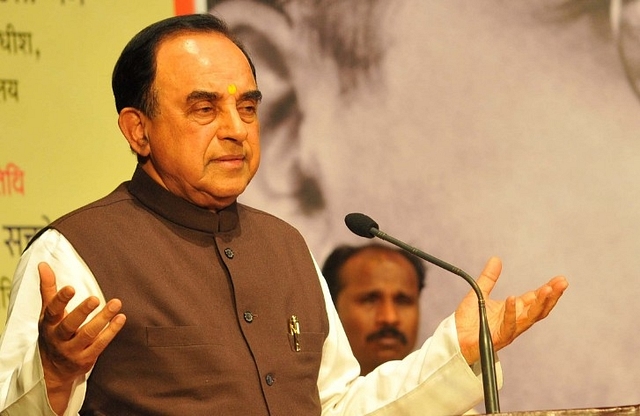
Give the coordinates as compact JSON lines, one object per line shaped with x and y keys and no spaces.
{"x":22,"y":386}
{"x":435,"y":379}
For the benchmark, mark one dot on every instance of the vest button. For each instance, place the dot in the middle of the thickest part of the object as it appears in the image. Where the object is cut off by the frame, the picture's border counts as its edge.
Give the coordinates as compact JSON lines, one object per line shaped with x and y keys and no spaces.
{"x":229,"y":253}
{"x":270,"y":379}
{"x":248,"y":316}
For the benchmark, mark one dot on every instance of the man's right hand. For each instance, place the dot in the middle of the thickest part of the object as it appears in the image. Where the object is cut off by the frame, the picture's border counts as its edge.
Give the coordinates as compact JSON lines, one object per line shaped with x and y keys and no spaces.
{"x":69,"y":348}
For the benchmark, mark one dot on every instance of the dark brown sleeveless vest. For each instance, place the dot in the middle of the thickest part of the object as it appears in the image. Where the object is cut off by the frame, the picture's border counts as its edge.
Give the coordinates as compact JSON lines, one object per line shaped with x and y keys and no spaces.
{"x":208,"y":299}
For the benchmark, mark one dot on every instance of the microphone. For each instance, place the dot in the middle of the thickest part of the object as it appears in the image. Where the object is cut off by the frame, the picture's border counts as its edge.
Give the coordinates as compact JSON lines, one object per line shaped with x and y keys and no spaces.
{"x":364,"y":226}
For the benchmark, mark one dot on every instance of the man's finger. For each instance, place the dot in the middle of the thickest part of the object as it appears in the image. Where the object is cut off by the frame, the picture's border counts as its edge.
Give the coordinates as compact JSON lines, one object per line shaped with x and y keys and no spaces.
{"x":48,"y":287}
{"x":54,"y":310}
{"x":74,"y":319}
{"x":106,"y":331}
{"x":538,"y":304}
{"x":557,"y":287}
{"x":489,"y":275}
{"x":509,"y":327}
{"x":54,"y":301}
{"x":559,"y":284}
{"x":92,"y":329}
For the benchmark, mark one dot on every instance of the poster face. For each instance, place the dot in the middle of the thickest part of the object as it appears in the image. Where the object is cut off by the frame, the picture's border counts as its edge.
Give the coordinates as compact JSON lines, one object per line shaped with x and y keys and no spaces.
{"x":60,"y":146}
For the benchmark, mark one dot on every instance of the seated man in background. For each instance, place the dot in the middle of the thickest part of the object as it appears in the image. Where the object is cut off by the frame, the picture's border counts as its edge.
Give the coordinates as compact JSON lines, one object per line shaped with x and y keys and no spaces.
{"x":376,"y":290}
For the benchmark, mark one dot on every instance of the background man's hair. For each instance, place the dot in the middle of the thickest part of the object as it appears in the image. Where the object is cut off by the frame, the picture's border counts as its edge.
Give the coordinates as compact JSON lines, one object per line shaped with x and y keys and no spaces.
{"x":341,"y":254}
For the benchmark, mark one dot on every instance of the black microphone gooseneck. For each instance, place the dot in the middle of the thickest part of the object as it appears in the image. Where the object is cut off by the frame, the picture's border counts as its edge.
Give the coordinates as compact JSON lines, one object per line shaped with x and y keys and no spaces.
{"x":364,"y":226}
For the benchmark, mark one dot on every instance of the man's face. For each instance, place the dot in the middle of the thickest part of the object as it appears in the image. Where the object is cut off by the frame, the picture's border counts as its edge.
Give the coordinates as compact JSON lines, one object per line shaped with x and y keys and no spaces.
{"x":203,"y":141}
{"x":378,"y":306}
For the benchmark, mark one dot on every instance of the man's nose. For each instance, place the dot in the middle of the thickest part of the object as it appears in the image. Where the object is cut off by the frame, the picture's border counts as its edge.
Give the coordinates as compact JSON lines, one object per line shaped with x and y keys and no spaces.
{"x":387,"y":313}
{"x":231,"y":126}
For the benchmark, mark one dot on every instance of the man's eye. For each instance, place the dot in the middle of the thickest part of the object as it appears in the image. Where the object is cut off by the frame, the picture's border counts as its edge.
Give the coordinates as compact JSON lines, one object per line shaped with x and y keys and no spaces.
{"x":248,"y":111}
{"x":369,"y":299}
{"x":203,"y":114}
{"x":405,"y":300}
{"x":204,"y":110}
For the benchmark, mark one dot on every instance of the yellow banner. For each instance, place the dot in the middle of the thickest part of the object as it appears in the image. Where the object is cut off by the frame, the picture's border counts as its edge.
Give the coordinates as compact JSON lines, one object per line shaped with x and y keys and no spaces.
{"x":60,"y":146}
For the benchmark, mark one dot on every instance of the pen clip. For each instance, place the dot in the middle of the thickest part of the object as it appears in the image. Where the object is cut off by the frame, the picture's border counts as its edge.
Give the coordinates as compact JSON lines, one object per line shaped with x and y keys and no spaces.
{"x":294,"y":330}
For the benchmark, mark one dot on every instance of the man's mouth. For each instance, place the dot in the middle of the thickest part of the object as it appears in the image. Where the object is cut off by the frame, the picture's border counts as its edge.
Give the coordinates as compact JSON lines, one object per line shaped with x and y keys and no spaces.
{"x":229,"y":158}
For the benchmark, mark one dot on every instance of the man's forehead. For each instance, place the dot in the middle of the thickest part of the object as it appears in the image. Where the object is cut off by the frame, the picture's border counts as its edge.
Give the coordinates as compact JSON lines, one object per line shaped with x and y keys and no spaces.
{"x":193,"y":54}
{"x":360,"y":289}
{"x":376,"y":265}
{"x":381,"y":279}
{"x":192,"y":42}
{"x":373,"y":256}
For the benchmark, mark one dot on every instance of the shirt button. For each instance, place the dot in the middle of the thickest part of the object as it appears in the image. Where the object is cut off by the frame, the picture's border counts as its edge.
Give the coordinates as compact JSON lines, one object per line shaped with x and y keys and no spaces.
{"x":270,"y":379}
{"x":229,"y":253}
{"x":248,"y":316}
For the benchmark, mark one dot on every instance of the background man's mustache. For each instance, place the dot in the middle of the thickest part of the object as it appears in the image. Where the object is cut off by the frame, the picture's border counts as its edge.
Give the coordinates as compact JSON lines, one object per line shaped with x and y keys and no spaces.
{"x":388,"y":331}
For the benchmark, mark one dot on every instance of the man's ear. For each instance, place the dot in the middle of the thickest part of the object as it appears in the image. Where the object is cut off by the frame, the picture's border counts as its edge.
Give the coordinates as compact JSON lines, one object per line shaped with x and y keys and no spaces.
{"x":131,"y":122}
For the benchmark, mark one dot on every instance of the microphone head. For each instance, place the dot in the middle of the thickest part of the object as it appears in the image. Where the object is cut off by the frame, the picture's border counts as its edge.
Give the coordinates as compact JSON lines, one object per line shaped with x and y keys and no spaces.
{"x":360,"y":224}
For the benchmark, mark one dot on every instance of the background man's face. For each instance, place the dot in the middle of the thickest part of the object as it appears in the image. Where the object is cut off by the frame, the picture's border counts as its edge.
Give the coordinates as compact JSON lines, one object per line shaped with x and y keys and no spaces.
{"x":378,"y":306}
